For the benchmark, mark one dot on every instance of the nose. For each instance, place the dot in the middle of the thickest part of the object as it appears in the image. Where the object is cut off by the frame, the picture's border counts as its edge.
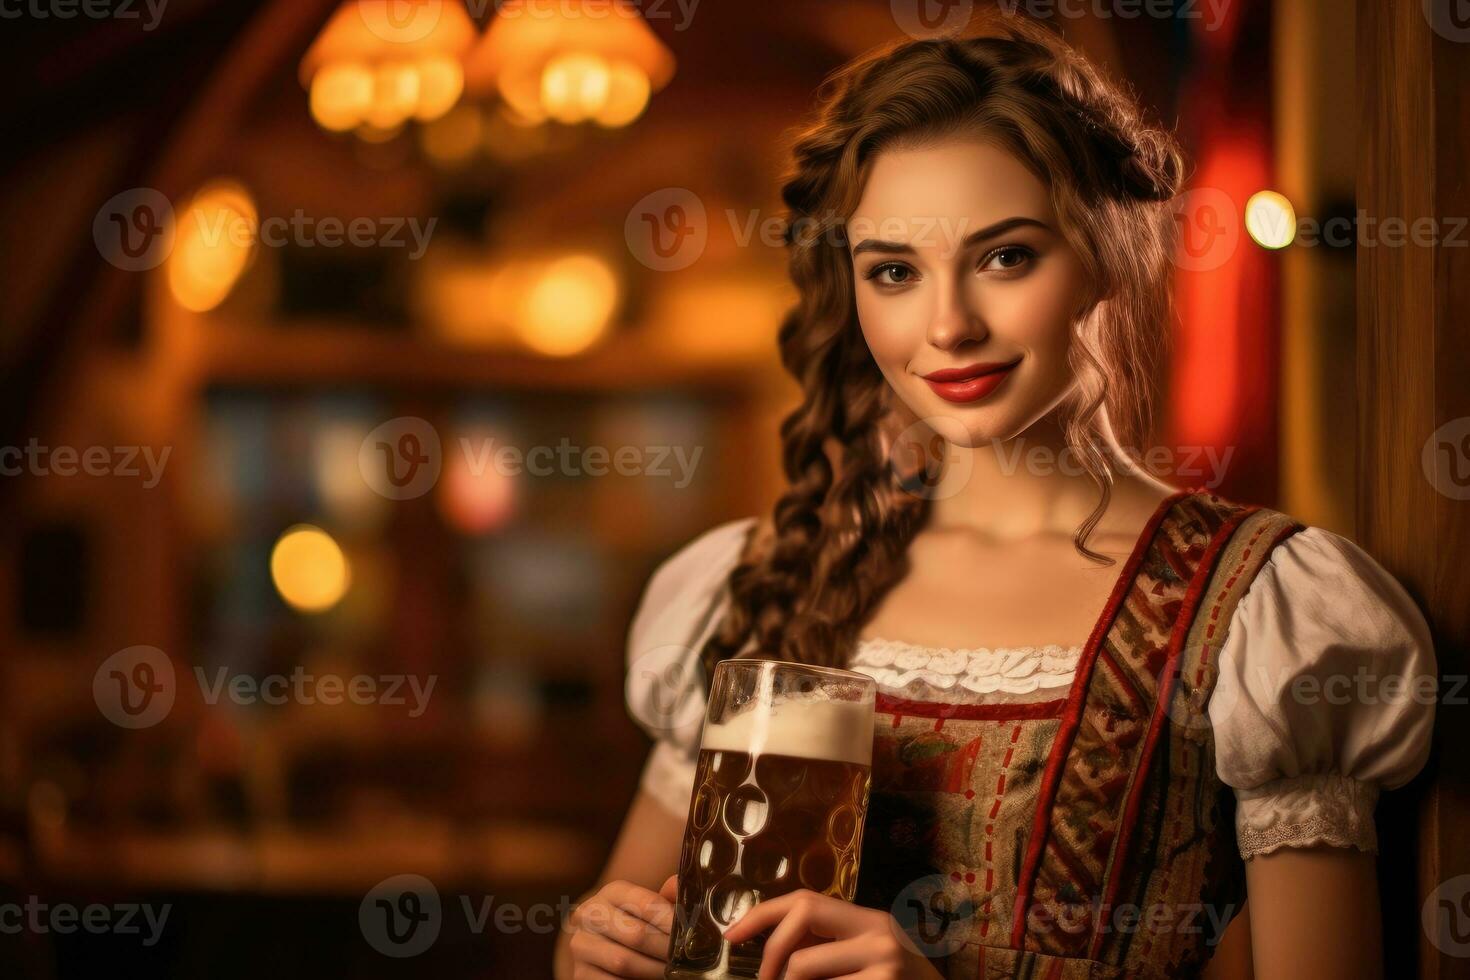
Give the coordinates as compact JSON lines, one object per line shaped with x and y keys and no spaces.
{"x":956,"y":319}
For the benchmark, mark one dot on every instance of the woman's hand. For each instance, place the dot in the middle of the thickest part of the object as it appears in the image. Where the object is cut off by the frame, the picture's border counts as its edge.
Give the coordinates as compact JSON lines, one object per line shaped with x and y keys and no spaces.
{"x":622,"y":931}
{"x":820,"y":936}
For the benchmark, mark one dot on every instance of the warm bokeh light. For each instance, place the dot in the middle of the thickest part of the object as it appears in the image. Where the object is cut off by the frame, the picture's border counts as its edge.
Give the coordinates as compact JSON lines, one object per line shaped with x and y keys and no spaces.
{"x":214,"y":242}
{"x":341,"y":96}
{"x":570,"y":306}
{"x":1271,"y":220}
{"x":556,"y":306}
{"x":474,"y":496}
{"x":575,"y":87}
{"x":570,"y":60}
{"x":373,"y":68}
{"x":346,"y":496}
{"x":309,"y":569}
{"x":441,"y":82}
{"x":395,"y":95}
{"x":627,"y":95}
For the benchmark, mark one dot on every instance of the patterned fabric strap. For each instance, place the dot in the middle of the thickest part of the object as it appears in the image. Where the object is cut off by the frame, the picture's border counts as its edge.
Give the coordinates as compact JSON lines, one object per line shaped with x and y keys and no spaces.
{"x":1170,"y":608}
{"x":1170,"y":811}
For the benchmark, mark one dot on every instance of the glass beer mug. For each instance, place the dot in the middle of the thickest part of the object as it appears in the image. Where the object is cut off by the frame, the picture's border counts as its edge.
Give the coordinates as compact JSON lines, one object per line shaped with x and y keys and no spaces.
{"x":780,"y":793}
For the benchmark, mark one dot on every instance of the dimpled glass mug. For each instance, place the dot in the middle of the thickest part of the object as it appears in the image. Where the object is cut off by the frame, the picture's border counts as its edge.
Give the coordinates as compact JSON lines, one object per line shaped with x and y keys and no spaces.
{"x":780,"y":793}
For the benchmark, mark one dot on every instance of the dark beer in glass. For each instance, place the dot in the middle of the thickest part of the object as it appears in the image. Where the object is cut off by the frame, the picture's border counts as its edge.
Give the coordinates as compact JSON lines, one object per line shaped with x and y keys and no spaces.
{"x":780,"y":793}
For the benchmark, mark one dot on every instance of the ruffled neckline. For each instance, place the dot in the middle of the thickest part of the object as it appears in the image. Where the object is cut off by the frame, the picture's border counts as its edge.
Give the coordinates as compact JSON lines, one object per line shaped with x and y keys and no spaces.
{"x":917,"y":671}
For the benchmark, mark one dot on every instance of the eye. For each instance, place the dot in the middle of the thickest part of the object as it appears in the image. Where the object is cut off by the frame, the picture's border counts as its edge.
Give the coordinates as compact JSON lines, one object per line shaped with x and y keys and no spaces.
{"x":891,"y":274}
{"x":1007,"y":258}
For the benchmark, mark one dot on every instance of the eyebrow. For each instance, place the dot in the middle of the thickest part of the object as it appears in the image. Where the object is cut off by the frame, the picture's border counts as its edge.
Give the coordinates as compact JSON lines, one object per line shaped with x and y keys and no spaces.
{"x":999,"y":228}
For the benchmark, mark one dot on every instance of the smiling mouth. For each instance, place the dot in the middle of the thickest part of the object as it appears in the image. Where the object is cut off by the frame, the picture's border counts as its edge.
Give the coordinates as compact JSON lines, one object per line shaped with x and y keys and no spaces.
{"x":969,"y":384}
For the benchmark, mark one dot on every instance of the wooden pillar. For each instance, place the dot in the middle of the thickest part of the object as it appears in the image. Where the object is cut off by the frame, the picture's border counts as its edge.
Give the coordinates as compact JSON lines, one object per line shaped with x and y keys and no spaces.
{"x":1414,"y":380}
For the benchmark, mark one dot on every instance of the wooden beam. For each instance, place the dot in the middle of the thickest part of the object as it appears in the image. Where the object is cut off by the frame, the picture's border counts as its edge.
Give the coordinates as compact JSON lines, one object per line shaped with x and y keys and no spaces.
{"x":1413,"y":359}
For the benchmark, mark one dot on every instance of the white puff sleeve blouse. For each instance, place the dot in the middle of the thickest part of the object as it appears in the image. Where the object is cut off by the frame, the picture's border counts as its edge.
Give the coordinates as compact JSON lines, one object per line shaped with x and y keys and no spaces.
{"x":1325,"y":695}
{"x":681,"y":607}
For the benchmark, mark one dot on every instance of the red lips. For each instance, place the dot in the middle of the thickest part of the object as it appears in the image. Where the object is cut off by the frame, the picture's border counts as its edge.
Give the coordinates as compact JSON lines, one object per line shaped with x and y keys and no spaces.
{"x":969,"y":384}
{"x":966,"y":373}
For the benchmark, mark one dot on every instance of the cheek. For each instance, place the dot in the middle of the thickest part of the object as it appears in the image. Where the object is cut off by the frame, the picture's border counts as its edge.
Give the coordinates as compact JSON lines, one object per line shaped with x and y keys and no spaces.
{"x":893,"y":326}
{"x":1036,"y":312}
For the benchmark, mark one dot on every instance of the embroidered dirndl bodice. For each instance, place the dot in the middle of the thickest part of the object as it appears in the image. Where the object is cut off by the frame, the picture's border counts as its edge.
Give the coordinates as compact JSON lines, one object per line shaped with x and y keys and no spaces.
{"x":1081,"y":830}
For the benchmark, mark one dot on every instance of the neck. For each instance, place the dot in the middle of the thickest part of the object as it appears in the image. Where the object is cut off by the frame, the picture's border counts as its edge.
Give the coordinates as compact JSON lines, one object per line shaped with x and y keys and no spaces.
{"x":1029,"y":485}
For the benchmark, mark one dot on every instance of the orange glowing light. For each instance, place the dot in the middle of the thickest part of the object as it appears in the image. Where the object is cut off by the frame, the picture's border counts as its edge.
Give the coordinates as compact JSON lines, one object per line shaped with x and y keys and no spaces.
{"x":384,"y":62}
{"x":309,"y":569}
{"x":213,"y":246}
{"x":627,"y":95}
{"x":569,"y":307}
{"x":575,"y":87}
{"x":341,"y":96}
{"x":441,"y":82}
{"x":570,"y":60}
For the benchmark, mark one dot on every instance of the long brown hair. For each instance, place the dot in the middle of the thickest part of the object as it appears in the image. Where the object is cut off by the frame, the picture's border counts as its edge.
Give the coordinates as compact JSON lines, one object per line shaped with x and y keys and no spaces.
{"x":841,"y":530}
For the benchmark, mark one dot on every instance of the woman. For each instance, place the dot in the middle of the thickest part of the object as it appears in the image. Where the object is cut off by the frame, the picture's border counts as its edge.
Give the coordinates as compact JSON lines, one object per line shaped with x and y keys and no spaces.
{"x":1105,"y":717}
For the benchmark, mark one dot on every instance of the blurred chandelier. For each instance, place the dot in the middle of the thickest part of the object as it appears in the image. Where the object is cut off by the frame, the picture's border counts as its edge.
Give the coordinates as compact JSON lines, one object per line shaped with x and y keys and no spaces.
{"x":379,"y":63}
{"x":570,"y":61}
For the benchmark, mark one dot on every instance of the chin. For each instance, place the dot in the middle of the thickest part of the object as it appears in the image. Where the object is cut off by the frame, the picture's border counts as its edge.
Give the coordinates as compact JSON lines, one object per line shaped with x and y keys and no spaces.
{"x":975,"y":425}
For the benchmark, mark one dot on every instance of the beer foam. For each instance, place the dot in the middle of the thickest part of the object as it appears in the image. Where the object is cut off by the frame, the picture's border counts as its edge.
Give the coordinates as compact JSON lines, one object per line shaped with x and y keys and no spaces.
{"x":836,"y":731}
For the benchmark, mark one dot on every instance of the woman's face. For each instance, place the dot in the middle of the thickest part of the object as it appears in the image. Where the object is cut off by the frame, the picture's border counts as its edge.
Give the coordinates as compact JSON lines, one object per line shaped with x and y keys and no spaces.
{"x":966,"y":290}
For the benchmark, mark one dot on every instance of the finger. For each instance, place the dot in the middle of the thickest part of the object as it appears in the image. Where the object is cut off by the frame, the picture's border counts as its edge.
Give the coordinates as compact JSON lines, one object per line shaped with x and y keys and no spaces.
{"x":789,"y":933}
{"x":622,"y":927}
{"x":620,"y":961}
{"x":826,"y":916}
{"x":670,"y":889}
{"x":835,"y":959}
{"x":649,"y":906}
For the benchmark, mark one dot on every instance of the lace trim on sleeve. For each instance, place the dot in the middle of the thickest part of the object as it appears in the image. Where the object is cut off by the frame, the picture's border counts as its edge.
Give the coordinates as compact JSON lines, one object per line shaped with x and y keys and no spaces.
{"x":1303,"y":811}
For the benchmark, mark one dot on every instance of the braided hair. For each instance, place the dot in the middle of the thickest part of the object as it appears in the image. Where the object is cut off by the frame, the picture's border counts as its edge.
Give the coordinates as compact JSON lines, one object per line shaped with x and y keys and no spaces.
{"x":840,"y":532}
